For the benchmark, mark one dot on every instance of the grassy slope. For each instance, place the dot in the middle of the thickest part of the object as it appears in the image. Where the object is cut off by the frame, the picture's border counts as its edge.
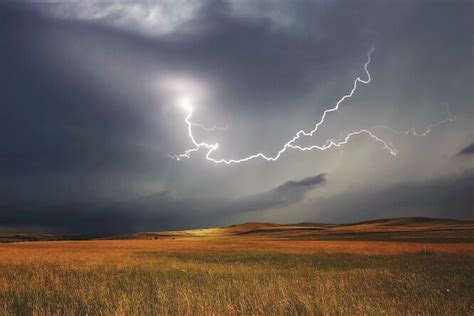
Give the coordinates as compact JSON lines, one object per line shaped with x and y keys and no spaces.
{"x":398,"y":229}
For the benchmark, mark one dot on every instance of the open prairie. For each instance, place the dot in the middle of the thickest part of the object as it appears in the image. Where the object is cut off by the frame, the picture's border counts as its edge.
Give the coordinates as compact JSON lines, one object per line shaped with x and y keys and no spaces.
{"x":236,"y":157}
{"x":226,"y":271}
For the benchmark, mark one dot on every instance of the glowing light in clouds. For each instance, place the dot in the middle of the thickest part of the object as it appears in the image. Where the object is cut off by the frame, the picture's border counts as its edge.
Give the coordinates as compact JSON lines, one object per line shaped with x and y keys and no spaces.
{"x":330,"y":143}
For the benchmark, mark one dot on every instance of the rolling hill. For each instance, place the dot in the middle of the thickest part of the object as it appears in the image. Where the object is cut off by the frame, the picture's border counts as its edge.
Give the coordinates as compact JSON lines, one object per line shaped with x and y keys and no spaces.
{"x":392,"y":229}
{"x":31,"y":236}
{"x":396,"y":229}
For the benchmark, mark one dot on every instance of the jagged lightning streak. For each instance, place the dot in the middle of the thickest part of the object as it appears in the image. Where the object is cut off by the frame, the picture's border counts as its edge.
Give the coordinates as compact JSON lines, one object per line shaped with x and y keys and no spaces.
{"x":449,"y":118}
{"x":210,"y":129}
{"x":291,"y":143}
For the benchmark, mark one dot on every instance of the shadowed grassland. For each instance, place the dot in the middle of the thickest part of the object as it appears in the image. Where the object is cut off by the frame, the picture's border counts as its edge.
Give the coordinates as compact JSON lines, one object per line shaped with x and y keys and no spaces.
{"x":236,"y":277}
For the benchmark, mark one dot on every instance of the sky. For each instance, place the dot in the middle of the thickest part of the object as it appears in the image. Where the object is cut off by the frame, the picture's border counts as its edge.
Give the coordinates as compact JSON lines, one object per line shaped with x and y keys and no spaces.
{"x":97,"y":97}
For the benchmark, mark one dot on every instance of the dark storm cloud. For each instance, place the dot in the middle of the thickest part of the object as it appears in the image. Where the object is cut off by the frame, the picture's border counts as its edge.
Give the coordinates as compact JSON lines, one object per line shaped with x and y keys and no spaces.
{"x":161,"y":211}
{"x":468,"y":150}
{"x":56,"y":125}
{"x":288,"y":193}
{"x":58,"y":121}
{"x":449,"y":196}
{"x":255,"y":68}
{"x":77,"y":133}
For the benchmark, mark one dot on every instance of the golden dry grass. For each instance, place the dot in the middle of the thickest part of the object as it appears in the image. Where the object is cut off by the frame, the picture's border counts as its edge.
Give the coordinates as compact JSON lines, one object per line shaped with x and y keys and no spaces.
{"x":236,"y":276}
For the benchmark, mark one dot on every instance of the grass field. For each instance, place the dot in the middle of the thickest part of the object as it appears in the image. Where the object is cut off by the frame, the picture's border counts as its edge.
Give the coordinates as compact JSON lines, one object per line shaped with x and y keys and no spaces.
{"x":236,"y":276}
{"x":406,"y":266}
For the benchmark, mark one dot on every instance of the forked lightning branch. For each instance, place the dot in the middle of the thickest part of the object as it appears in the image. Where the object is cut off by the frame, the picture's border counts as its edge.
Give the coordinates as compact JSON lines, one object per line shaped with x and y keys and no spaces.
{"x":212,"y":148}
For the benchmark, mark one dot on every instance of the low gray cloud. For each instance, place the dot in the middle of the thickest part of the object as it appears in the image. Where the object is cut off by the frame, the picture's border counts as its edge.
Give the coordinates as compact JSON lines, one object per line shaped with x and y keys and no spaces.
{"x":286,"y":194}
{"x":449,"y":196}
{"x":468,"y":150}
{"x":160,"y":211}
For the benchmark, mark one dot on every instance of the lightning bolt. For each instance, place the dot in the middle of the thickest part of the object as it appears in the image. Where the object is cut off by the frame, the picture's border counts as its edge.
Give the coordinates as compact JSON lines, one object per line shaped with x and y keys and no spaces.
{"x":449,"y":118}
{"x":330,"y":143}
{"x":210,"y":129}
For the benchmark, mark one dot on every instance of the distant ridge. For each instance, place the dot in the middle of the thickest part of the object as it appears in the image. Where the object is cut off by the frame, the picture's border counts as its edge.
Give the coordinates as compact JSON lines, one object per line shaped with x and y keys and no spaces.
{"x":254,"y":225}
{"x":391,"y":229}
{"x":412,"y":221}
{"x":422,"y":229}
{"x":30,"y":236}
